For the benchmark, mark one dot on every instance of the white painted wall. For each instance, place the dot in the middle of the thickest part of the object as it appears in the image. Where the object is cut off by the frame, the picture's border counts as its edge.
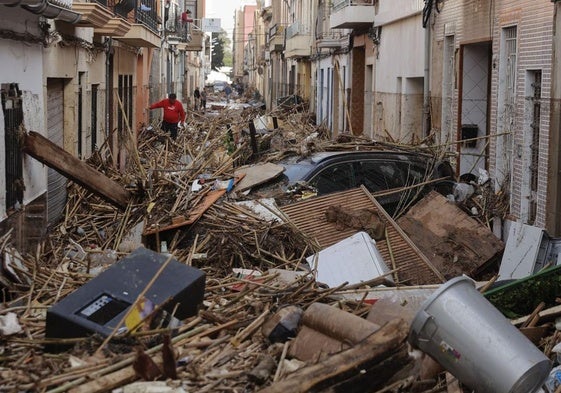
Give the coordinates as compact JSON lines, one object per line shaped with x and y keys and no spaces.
{"x":326,"y":108}
{"x":399,"y":70}
{"x":24,"y":60}
{"x":401,"y":53}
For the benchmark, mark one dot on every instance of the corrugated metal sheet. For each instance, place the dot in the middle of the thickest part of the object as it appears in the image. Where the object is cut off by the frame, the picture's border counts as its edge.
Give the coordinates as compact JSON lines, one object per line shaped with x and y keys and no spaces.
{"x":309,"y":217}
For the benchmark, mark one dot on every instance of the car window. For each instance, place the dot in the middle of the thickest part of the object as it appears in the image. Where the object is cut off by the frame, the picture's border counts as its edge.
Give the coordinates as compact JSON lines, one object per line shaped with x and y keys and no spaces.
{"x":379,"y":175}
{"x":337,"y":177}
{"x":414,"y":172}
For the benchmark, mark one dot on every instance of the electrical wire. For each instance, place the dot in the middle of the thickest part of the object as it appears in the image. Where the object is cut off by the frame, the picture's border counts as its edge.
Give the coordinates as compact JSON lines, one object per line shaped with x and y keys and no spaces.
{"x":427,"y":9}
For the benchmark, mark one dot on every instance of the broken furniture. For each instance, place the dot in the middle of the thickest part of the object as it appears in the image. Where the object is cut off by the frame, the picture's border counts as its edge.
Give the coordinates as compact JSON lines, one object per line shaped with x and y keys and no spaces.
{"x":453,"y":241}
{"x":397,"y":249}
{"x":101,"y":304}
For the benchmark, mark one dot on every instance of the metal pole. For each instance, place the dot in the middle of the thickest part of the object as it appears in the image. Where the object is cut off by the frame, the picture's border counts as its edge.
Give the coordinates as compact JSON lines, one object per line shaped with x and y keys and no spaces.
{"x":163,"y":40}
{"x":426,"y":80}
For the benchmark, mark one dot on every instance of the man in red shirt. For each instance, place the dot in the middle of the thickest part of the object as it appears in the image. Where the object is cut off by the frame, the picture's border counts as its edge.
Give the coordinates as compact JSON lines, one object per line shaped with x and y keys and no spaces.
{"x":173,"y":113}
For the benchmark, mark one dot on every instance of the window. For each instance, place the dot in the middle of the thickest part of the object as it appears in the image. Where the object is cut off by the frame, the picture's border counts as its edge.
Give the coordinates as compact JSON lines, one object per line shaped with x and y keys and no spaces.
{"x":381,"y":175}
{"x":125,"y":94}
{"x":337,"y":177}
{"x":95,"y":89}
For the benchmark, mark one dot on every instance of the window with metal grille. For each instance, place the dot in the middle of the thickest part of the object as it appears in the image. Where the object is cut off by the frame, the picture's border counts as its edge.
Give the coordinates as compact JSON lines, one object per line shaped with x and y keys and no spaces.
{"x":535,"y":146}
{"x":125,"y":90}
{"x":94,"y":116}
{"x":13,"y":119}
{"x":510,"y":52}
{"x":506,"y":111}
{"x":81,"y":89}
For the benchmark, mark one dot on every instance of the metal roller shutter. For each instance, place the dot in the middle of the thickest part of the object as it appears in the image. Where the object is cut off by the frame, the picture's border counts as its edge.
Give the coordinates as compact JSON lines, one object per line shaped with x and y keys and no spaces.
{"x":56,"y":189}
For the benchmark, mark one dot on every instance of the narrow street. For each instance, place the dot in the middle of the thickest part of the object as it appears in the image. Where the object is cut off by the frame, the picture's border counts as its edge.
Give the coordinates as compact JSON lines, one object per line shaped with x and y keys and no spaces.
{"x":205,"y":207}
{"x":280,"y":196}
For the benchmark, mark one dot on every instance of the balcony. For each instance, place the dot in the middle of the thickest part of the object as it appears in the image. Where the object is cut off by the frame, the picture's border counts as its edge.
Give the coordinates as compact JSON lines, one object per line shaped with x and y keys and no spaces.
{"x":333,"y":39}
{"x":196,"y":43}
{"x":114,"y":27}
{"x":93,"y":14}
{"x":276,"y":38}
{"x":142,"y":19}
{"x":298,"y":41}
{"x":140,"y":37}
{"x":352,"y":14}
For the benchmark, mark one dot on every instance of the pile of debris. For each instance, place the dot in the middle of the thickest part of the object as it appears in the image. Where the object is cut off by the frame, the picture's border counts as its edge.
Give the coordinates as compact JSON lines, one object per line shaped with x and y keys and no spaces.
{"x":317,"y":295}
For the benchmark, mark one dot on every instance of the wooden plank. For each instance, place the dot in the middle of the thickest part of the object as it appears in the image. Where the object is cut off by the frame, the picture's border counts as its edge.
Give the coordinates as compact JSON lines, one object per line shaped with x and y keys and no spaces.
{"x":547,"y":315}
{"x":452,"y":384}
{"x":257,"y":174}
{"x":40,"y":148}
{"x":210,"y":198}
{"x":453,"y":241}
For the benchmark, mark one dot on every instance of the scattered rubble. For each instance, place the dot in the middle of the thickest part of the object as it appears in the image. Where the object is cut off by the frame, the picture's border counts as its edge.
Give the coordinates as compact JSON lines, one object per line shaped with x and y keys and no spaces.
{"x":267,"y":322}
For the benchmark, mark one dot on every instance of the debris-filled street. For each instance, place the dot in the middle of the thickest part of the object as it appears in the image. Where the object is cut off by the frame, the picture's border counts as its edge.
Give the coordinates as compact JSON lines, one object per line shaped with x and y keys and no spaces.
{"x":210,"y":277}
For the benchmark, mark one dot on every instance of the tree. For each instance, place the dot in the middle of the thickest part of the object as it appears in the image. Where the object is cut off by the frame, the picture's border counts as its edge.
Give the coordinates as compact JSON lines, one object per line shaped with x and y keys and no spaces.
{"x":220,"y":49}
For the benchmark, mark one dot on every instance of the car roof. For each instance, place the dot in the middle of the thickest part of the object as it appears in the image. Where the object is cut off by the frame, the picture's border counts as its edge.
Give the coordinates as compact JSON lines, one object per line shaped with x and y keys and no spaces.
{"x":318,"y":157}
{"x":297,"y":166}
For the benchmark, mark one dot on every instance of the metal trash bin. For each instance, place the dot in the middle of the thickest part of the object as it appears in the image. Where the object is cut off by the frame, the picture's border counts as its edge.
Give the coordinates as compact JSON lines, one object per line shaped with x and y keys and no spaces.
{"x":471,"y":339}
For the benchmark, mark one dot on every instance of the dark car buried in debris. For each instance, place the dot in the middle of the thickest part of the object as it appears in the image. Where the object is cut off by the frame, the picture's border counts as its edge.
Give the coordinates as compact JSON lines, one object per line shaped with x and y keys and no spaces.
{"x":378,"y":171}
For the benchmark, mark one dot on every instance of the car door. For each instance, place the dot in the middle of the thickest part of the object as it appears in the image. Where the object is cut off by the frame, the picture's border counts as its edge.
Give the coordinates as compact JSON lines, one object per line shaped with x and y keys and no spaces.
{"x":333,"y":177}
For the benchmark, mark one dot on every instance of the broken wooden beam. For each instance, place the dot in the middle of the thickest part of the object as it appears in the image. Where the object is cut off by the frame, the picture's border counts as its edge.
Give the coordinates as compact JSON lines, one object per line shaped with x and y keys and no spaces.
{"x":384,"y":353}
{"x":45,"y":151}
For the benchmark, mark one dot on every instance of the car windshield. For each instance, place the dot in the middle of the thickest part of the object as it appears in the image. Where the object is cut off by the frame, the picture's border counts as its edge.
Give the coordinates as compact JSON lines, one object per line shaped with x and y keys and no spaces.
{"x":296,"y":171}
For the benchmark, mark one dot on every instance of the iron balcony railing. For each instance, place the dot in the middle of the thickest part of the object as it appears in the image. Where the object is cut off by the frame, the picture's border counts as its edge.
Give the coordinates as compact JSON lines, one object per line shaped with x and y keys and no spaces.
{"x":335,"y":34}
{"x":340,"y":4}
{"x":177,"y":24}
{"x":135,"y":11}
{"x":297,"y":28}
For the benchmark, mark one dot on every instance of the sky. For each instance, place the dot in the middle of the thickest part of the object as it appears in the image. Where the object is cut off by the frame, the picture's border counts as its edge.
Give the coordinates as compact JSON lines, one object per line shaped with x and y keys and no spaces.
{"x":224,"y":9}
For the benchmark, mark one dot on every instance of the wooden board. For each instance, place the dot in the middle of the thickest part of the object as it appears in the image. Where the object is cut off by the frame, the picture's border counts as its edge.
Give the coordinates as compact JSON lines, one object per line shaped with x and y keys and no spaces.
{"x":257,"y":174}
{"x":454,"y":242}
{"x":42,"y":149}
{"x":210,"y":198}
